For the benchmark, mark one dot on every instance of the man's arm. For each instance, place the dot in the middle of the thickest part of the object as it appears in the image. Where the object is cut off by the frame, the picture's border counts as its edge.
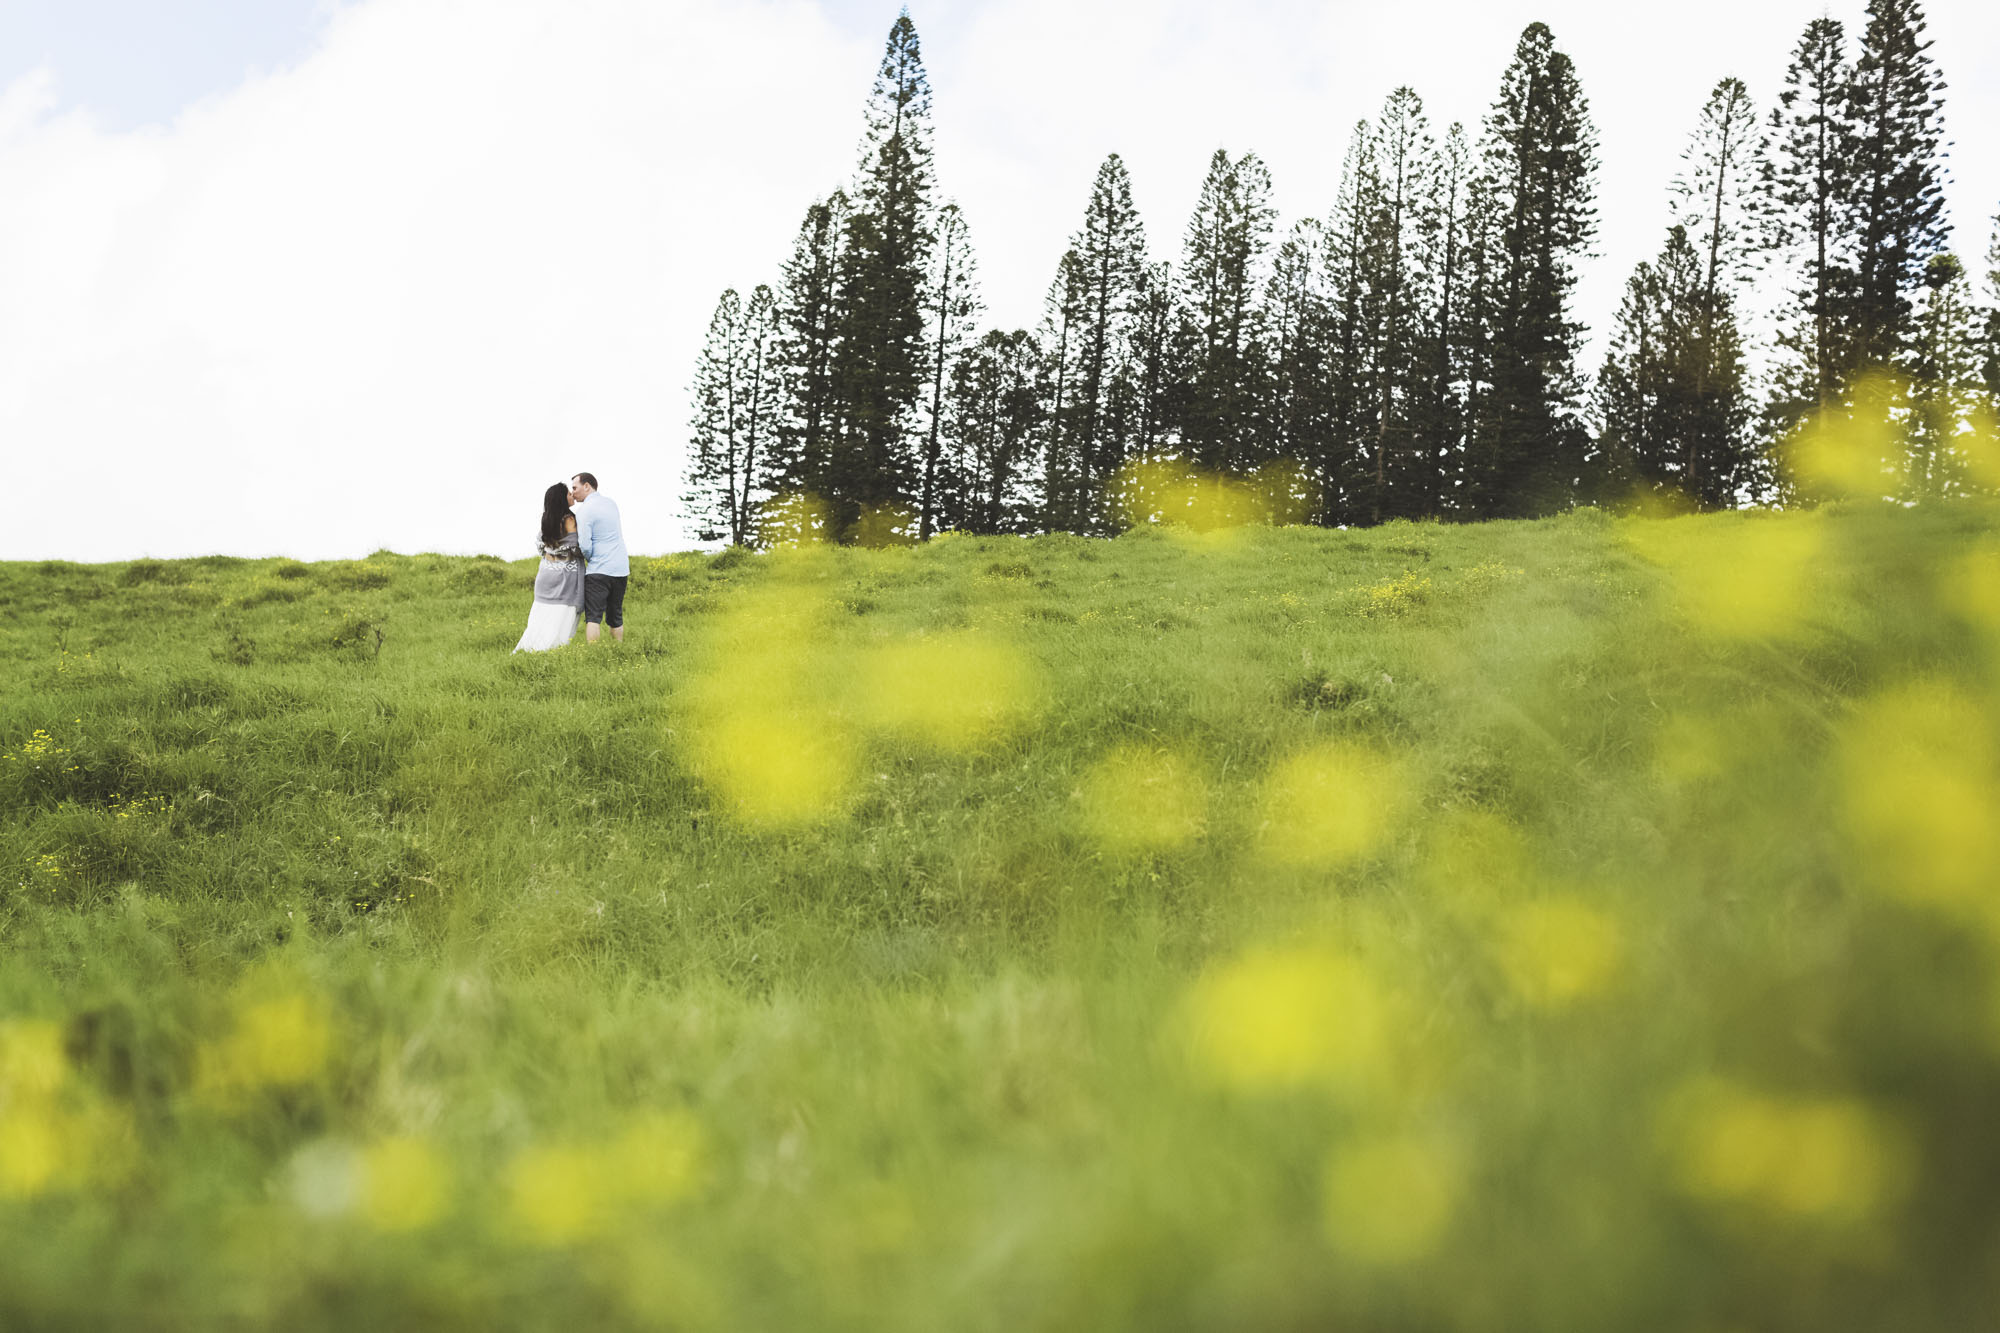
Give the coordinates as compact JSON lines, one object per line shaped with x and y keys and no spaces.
{"x":583,"y":526}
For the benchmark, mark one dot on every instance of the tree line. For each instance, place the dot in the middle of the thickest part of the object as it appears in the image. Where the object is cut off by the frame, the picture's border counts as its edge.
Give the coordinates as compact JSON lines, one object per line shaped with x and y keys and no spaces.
{"x":1413,"y":354}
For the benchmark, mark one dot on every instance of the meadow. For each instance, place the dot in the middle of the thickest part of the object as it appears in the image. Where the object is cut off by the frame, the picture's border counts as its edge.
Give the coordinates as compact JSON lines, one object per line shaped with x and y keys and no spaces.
{"x":1581,"y":924}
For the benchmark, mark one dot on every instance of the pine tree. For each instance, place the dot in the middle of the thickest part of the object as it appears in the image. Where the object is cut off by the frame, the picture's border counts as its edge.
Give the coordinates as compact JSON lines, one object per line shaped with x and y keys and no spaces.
{"x":1159,"y":350}
{"x":1295,"y":325}
{"x":1673,"y":415}
{"x":878,"y":353}
{"x":1628,"y":391}
{"x":1990,"y":362}
{"x":1220,"y":278}
{"x":1808,"y":187}
{"x":1057,"y":340}
{"x":1336,"y":463}
{"x":1896,"y":104}
{"x":1715,"y":192}
{"x":995,"y":409}
{"x":1713,"y":206}
{"x":1402,"y":486}
{"x":718,"y":473}
{"x":1541,"y":155}
{"x":952,"y":305}
{"x":1111,"y":250}
{"x":1446,"y":326}
{"x":1946,"y":382}
{"x":762,"y":386}
{"x":807,"y":308}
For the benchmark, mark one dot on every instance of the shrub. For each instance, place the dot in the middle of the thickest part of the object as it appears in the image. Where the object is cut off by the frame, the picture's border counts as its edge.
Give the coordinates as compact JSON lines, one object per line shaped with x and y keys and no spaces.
{"x":154,"y":571}
{"x":355,"y":575}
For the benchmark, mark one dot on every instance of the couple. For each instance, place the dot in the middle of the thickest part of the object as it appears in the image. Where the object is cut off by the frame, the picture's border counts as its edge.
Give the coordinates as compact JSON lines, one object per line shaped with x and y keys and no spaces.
{"x":590,"y":535}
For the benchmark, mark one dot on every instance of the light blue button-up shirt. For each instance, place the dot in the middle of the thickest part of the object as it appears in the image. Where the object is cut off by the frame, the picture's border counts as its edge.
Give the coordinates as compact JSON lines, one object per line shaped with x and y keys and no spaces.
{"x":601,"y":536}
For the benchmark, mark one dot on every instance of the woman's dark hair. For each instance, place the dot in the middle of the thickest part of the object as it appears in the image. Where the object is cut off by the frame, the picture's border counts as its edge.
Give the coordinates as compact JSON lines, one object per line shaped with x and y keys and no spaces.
{"x":555,"y":513}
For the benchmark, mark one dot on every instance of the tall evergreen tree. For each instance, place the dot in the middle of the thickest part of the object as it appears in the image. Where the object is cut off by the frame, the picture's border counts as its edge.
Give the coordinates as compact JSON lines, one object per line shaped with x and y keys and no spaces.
{"x":806,"y":310}
{"x":1808,"y":185}
{"x":1715,"y":194}
{"x":1896,"y":105}
{"x":1446,"y":326}
{"x":1342,"y":436}
{"x":1403,"y":484}
{"x":878,"y":353}
{"x":1528,"y":448}
{"x":1220,"y":278}
{"x":1714,"y":201}
{"x":1990,"y":362}
{"x":1946,"y":382}
{"x":952,"y":306}
{"x":1295,"y":326}
{"x":1058,"y":339}
{"x":995,"y":410}
{"x":1669,"y":399}
{"x":736,"y":397}
{"x":1159,"y":350}
{"x":1110,"y":248}
{"x":1628,"y":392}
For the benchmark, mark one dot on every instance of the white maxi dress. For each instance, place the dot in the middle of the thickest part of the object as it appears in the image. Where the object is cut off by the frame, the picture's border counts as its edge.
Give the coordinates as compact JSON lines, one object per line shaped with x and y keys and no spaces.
{"x":558,"y":597}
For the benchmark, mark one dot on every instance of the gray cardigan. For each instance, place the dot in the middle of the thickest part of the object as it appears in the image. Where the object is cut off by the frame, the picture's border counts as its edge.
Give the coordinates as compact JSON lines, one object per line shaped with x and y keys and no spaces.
{"x":560,"y":578}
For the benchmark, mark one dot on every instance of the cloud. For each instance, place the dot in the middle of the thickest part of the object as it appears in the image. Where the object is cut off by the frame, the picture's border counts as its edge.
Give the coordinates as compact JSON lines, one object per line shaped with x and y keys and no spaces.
{"x":386,"y":296}
{"x":465,"y":247}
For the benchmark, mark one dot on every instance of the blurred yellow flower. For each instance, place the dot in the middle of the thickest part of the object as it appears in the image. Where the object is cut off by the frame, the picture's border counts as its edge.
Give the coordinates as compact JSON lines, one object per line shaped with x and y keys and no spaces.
{"x":1557,"y":950}
{"x":1829,"y":1159}
{"x":1188,"y":501}
{"x":31,"y":1150}
{"x":1857,"y":451}
{"x":32,"y":1064}
{"x":1138,"y":800}
{"x":780,"y":768}
{"x":1277,"y":1019}
{"x":1922,"y":800}
{"x":1743,"y":576}
{"x":953,"y":691}
{"x":760,"y":724}
{"x":405,"y":1184}
{"x":658,"y":1157}
{"x":1477,"y":859}
{"x":1330,"y":806}
{"x":792,"y":520}
{"x":557,"y":1195}
{"x":1389,"y":1199}
{"x":279,"y":1041}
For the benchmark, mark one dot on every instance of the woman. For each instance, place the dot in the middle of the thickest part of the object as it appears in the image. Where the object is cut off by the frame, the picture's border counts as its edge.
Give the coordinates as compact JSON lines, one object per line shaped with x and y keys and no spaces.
{"x":559,"y":582}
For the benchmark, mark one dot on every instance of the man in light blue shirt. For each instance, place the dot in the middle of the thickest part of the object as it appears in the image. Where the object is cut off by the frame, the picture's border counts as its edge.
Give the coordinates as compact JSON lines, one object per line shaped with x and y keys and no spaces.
{"x":602,"y":538}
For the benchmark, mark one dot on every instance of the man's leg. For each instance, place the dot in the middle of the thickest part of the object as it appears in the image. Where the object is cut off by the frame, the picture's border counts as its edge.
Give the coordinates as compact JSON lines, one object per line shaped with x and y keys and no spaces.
{"x":596,"y":589}
{"x":614,"y":606}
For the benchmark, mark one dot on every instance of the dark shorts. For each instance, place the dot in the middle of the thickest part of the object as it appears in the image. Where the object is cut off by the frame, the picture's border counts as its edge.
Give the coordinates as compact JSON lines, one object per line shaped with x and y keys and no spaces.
{"x":604,"y":599}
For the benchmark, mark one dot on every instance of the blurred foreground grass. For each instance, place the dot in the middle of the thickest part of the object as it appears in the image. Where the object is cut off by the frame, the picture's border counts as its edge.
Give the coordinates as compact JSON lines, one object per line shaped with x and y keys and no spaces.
{"x":1574,"y":925}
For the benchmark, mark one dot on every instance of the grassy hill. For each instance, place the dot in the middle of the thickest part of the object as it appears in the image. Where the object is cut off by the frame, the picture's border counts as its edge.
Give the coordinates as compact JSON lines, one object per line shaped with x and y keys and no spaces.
{"x":1582,"y":924}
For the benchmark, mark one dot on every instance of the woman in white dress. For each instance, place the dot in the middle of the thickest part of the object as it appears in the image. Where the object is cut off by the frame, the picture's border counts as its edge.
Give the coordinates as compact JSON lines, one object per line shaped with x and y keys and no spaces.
{"x":559,"y":581}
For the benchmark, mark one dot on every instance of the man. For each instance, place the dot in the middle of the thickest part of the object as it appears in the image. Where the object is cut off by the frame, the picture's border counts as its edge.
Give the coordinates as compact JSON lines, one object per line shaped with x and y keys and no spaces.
{"x":602,"y":538}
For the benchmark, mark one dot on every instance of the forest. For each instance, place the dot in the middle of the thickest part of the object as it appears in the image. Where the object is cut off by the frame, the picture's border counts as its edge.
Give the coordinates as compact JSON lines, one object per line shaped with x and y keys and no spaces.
{"x":1413,"y":354}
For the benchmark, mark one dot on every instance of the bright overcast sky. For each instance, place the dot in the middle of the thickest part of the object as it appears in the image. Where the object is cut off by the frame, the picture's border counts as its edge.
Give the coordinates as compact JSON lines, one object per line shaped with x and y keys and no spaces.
{"x":289,"y":276}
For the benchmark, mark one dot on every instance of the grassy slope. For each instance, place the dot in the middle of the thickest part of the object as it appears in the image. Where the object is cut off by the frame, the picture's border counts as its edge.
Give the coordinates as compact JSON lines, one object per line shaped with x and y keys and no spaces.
{"x":967,"y":1052}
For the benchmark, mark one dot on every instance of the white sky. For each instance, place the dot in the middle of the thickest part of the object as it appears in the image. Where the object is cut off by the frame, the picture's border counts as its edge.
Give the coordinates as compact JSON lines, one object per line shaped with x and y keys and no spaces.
{"x":284,"y":276}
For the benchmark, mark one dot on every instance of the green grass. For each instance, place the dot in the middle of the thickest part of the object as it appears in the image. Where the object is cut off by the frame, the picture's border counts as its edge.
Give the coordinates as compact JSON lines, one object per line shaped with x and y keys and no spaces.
{"x":1583,"y":924}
